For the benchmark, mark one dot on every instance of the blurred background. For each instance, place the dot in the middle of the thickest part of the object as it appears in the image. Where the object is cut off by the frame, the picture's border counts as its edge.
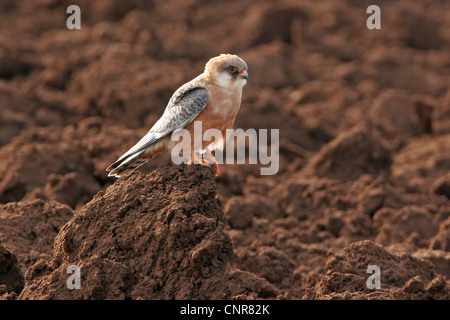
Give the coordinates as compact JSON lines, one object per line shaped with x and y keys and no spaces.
{"x":364,"y":115}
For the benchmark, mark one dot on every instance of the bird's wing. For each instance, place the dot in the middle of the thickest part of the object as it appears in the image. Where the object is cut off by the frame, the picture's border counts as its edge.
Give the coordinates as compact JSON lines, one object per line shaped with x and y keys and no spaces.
{"x":184,"y":106}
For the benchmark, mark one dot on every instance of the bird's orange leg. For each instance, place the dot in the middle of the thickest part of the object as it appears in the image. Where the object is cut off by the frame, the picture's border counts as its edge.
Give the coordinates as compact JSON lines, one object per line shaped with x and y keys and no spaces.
{"x":205,"y":160}
{"x":211,"y":160}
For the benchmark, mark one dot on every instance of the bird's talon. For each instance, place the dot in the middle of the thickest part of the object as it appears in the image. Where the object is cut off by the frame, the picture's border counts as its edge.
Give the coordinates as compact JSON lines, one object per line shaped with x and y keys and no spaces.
{"x":205,"y":160}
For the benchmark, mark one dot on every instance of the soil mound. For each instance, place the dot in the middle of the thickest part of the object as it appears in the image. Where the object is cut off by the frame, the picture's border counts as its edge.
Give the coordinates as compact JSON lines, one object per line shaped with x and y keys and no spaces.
{"x":11,"y":278}
{"x":28,"y":228}
{"x":154,"y":236}
{"x":401,"y":276}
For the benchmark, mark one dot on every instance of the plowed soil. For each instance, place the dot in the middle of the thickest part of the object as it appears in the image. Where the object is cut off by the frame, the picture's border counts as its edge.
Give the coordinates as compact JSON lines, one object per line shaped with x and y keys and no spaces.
{"x":364,"y":123}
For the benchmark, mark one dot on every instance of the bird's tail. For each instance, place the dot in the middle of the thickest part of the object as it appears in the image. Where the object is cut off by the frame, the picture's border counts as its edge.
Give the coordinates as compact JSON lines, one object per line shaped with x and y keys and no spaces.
{"x":127,"y":164}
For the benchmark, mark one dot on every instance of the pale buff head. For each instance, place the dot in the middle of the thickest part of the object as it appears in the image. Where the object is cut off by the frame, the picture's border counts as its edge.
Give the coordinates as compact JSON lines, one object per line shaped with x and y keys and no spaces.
{"x":227,"y":70}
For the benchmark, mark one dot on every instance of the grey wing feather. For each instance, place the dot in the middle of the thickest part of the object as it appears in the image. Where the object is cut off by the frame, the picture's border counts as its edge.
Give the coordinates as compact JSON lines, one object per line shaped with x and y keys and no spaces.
{"x":183,"y":107}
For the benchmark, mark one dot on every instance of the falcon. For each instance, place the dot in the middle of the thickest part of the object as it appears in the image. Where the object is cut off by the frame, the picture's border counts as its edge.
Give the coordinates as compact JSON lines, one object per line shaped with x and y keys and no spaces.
{"x":213,"y":97}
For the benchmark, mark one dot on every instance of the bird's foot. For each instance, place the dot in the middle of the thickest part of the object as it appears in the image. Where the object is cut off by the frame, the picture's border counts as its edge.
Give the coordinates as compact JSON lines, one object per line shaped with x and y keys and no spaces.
{"x":206,"y":160}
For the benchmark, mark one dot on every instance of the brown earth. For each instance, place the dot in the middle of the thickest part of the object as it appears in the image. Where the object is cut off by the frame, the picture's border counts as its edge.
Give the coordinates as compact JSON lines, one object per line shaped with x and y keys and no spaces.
{"x":364,"y":120}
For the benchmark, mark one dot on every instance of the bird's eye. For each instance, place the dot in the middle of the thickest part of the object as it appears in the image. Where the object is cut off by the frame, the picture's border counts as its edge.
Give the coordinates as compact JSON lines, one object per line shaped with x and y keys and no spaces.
{"x":232,"y":69}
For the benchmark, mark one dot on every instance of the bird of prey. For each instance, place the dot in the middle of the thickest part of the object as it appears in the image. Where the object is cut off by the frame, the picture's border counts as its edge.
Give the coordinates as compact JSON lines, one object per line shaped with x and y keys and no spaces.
{"x":213,"y":97}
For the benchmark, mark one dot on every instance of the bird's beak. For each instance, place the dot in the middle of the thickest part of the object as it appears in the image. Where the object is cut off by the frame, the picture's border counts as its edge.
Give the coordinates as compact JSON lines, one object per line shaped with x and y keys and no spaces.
{"x":243,"y":75}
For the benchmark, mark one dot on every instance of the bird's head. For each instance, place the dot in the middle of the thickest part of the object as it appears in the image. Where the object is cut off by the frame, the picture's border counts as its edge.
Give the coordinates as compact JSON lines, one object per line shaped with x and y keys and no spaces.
{"x":227,"y":70}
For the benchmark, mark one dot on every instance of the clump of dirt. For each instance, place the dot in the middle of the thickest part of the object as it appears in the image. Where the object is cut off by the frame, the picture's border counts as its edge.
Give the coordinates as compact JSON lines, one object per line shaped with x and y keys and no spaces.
{"x":11,"y":278}
{"x":28,"y":228}
{"x":352,"y":154}
{"x":401,"y":276}
{"x":397,"y":117}
{"x":442,"y":238}
{"x":155,"y":236}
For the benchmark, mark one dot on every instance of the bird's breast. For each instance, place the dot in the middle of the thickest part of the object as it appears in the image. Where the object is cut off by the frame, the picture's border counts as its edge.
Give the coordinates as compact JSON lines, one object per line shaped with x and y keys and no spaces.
{"x":224,"y":102}
{"x":220,"y":113}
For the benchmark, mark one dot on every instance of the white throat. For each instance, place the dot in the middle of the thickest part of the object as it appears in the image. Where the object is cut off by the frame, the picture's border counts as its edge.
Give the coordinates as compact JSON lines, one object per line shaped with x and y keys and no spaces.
{"x":224,"y":80}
